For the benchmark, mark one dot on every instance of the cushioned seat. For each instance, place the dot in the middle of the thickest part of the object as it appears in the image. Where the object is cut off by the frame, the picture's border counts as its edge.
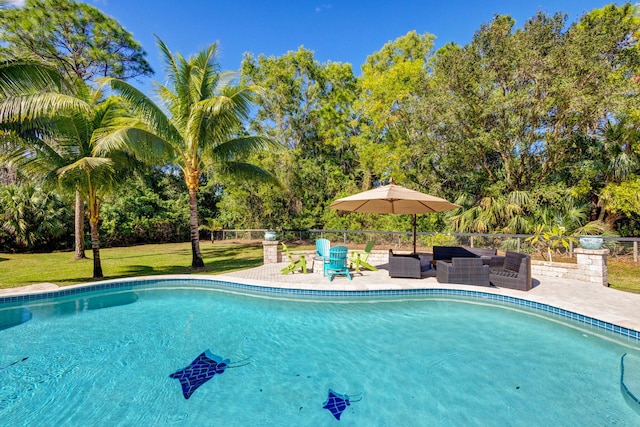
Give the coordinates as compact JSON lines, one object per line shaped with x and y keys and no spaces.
{"x":504,"y":272}
{"x":514,"y":273}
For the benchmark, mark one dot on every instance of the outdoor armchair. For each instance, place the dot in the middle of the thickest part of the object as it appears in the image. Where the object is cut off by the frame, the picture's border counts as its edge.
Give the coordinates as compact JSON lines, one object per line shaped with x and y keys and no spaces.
{"x":514,"y":273}
{"x":360,"y":258}
{"x":321,"y":255}
{"x":294,"y":264}
{"x":404,"y":265}
{"x":337,"y":262}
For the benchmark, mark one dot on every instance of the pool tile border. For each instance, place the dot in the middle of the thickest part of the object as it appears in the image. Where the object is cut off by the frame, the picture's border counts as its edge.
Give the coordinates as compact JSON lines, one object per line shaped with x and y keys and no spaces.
{"x":131,"y":284}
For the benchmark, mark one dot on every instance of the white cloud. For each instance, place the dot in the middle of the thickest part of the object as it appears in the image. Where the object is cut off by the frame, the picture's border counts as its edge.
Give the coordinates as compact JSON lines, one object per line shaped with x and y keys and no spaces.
{"x":323,"y":7}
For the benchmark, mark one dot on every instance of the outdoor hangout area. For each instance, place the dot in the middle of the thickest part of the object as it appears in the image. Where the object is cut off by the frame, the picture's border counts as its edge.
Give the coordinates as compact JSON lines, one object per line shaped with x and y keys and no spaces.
{"x":447,"y":264}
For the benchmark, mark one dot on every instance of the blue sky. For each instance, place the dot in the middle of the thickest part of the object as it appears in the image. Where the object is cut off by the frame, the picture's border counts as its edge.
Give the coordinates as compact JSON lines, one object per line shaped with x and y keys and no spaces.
{"x":339,"y":31}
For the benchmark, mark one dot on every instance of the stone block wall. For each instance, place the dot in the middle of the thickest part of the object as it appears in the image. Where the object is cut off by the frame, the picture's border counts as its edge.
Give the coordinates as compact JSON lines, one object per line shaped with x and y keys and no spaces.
{"x":591,"y":266}
{"x":270,"y":252}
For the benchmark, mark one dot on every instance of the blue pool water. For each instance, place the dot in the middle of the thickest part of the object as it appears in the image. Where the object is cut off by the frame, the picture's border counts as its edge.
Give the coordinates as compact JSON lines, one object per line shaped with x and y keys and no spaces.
{"x":105,"y":359}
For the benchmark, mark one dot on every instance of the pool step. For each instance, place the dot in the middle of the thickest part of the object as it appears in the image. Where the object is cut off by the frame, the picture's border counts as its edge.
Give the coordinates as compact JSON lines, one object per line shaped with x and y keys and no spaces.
{"x":630,"y":376}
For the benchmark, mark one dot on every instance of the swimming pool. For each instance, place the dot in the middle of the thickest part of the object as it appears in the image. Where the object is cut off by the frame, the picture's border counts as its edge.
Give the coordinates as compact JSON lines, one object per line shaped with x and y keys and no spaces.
{"x":104,"y":357}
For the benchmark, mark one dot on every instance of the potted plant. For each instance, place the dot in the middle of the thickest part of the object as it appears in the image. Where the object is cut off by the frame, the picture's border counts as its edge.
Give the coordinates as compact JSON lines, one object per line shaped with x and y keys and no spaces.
{"x":550,"y":239}
{"x":270,"y":235}
{"x":591,"y":242}
{"x":591,"y":234}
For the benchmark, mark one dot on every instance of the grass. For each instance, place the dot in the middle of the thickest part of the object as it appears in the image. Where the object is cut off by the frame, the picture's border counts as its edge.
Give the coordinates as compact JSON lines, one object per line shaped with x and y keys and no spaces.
{"x":175,"y":258}
{"x":171,"y":258}
{"x":623,"y":275}
{"x":622,"y":271}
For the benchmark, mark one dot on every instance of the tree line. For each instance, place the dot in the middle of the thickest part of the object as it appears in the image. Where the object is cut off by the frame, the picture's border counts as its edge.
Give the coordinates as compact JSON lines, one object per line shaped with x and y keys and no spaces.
{"x":527,"y":127}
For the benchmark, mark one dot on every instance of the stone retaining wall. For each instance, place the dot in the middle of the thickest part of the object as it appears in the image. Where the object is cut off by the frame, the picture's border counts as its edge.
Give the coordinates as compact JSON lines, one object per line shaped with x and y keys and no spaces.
{"x":591,"y":266}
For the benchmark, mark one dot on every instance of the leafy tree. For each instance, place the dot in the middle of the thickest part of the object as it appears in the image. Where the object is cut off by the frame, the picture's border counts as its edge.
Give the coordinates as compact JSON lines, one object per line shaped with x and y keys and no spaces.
{"x":31,"y":219}
{"x":78,"y":39}
{"x":498,"y":97}
{"x":203,"y":129}
{"x":308,"y":108}
{"x":58,"y":134}
{"x":391,"y":79}
{"x":211,"y":225}
{"x":530,"y":112}
{"x":18,"y":77}
{"x":150,"y":207}
{"x":621,"y":200}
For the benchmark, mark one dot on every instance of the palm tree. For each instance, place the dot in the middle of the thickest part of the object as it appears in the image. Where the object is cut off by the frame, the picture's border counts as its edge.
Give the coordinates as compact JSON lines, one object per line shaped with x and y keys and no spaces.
{"x":56,"y":133}
{"x":31,"y":217}
{"x":202,"y":129}
{"x":23,"y":77}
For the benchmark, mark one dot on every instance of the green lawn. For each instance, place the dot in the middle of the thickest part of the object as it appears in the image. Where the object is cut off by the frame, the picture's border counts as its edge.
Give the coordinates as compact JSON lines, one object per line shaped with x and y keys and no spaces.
{"x":175,"y":258}
{"x":623,"y":272}
{"x":171,"y":258}
{"x":623,"y":275}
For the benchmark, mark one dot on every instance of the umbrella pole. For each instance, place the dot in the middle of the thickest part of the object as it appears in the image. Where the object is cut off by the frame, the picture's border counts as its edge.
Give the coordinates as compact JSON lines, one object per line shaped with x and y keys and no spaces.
{"x":414,"y":233}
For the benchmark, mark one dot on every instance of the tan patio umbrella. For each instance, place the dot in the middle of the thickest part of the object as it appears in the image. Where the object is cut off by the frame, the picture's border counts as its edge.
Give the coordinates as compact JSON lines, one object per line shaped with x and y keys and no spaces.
{"x":394,"y":199}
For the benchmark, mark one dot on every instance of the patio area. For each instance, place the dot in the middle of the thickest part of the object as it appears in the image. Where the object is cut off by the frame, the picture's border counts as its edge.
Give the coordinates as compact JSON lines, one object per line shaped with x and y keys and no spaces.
{"x":589,"y":299}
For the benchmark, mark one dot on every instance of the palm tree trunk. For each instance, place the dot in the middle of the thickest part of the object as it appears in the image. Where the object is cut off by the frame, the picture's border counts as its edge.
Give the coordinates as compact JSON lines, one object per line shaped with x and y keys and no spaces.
{"x":95,"y":247}
{"x":196,"y":259}
{"x":94,"y":217}
{"x":79,"y":227}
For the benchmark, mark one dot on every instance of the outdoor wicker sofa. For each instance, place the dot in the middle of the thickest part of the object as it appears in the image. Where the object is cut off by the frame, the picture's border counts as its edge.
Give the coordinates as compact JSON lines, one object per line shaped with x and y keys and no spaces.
{"x":463,"y":270}
{"x":514,"y":273}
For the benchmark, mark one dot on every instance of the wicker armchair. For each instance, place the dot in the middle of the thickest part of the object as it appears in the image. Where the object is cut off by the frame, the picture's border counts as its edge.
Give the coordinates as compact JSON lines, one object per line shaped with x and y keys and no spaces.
{"x":401,"y":265}
{"x":514,"y":273}
{"x":468,"y":271}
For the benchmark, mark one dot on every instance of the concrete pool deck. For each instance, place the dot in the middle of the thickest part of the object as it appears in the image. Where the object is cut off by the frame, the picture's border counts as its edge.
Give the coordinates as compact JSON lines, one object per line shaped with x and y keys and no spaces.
{"x":589,"y":299}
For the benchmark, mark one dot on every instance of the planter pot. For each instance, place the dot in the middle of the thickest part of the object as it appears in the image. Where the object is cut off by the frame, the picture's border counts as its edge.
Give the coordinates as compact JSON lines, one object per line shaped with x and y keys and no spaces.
{"x":270,"y":236}
{"x":593,"y":242}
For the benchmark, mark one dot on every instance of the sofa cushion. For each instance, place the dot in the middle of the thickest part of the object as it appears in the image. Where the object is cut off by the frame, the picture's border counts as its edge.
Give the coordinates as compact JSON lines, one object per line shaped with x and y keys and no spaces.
{"x":425,"y":261}
{"x":450,"y":252}
{"x":503,"y":272}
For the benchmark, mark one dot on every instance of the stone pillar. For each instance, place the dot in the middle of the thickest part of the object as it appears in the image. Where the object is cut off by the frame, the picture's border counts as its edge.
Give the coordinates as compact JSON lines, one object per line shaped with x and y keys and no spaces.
{"x":270,"y":251}
{"x":593,"y":264}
